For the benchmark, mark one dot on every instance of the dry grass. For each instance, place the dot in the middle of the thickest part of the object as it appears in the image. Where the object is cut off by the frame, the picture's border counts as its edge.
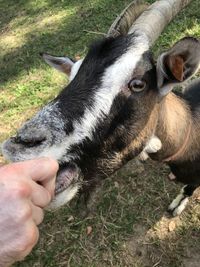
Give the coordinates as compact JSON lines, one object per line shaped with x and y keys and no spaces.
{"x":130,"y":226}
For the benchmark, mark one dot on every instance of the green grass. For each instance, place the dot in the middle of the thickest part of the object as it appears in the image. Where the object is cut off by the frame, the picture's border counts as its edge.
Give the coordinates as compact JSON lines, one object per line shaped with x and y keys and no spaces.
{"x":129,"y":226}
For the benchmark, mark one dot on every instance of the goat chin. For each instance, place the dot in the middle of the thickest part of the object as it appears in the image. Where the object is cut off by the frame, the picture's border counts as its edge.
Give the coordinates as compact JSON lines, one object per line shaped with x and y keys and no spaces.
{"x":63,"y":197}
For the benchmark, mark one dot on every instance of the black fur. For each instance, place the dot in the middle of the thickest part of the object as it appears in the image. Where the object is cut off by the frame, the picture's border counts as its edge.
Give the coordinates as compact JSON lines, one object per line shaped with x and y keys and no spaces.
{"x":115,"y":132}
{"x":188,"y":172}
{"x":192,"y":95}
{"x":80,"y":92}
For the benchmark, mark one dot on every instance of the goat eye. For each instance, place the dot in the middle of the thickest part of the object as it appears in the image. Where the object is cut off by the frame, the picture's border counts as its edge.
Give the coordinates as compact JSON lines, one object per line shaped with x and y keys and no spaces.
{"x":136,"y":85}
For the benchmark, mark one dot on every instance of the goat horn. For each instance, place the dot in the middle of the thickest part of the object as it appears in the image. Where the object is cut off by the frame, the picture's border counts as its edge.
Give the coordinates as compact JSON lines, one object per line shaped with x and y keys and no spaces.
{"x":125,"y":20}
{"x":153,"y":20}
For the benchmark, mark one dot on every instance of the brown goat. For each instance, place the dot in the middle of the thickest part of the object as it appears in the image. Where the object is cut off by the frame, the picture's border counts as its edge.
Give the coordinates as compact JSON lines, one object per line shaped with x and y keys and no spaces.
{"x":178,"y":129}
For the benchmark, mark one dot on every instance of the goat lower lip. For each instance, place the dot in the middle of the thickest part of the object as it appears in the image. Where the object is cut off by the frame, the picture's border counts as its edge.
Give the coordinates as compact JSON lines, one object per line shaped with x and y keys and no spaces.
{"x":65,"y":177}
{"x":61,"y":187}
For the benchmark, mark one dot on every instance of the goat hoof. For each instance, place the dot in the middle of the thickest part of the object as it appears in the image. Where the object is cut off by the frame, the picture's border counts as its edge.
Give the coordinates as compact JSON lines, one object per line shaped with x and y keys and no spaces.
{"x":143,"y":156}
{"x":178,"y":205}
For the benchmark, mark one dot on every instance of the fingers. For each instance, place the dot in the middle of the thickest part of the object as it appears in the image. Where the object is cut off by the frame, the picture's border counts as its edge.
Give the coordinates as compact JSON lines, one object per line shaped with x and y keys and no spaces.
{"x":21,"y":203}
{"x":33,"y":179}
{"x":49,"y":184}
{"x":39,"y":195}
{"x":42,"y":170}
{"x":37,"y":214}
{"x":39,"y":169}
{"x":46,"y":173}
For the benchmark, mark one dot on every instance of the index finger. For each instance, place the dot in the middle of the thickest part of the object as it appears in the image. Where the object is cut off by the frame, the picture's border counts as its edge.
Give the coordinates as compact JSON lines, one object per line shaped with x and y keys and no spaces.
{"x":41,"y":170}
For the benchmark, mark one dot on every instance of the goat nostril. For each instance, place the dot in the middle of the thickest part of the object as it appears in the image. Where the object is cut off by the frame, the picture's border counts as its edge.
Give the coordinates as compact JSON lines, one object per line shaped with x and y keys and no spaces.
{"x":17,"y":139}
{"x":28,"y":142}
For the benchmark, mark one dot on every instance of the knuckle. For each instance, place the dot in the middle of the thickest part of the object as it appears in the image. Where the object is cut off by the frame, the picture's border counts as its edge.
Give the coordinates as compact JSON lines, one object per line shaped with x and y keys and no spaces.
{"x":21,"y":189}
{"x":24,"y":214}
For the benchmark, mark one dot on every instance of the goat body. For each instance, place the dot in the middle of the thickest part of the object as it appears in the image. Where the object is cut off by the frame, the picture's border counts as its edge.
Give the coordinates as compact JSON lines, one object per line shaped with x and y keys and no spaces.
{"x":178,"y":129}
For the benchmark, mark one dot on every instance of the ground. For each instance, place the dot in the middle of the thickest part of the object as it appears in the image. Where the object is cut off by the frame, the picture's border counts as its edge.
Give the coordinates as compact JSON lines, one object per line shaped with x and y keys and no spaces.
{"x":130,"y":226}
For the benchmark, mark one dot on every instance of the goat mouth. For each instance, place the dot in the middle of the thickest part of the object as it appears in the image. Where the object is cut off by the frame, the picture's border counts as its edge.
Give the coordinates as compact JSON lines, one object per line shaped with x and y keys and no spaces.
{"x":67,"y":175}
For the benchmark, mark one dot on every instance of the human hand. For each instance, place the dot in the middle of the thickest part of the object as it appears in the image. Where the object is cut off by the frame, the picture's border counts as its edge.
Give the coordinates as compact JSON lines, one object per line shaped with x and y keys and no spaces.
{"x":25,"y":189}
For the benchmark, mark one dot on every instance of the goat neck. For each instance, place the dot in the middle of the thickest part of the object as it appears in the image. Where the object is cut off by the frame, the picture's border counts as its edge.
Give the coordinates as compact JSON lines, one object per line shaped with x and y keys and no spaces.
{"x":174,"y":128}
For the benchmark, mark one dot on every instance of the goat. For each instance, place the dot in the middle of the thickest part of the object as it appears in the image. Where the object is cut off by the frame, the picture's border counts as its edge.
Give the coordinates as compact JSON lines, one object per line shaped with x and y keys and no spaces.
{"x":118,"y":101}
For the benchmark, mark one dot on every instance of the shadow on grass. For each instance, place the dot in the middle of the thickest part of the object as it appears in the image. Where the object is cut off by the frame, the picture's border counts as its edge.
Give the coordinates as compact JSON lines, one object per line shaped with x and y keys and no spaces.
{"x":70,"y":37}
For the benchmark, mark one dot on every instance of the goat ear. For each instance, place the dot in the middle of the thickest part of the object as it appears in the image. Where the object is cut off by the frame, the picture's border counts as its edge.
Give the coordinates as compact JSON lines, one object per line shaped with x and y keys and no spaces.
{"x":178,"y":64}
{"x":63,"y":64}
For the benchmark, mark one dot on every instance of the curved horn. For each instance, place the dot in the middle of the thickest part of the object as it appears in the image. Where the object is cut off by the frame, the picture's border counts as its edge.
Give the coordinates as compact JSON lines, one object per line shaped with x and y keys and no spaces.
{"x":153,"y":20}
{"x":125,"y":20}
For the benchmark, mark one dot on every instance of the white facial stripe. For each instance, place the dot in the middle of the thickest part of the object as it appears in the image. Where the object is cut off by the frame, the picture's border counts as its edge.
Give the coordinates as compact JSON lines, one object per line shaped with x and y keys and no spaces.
{"x":75,"y":68}
{"x":114,"y":79}
{"x":119,"y":74}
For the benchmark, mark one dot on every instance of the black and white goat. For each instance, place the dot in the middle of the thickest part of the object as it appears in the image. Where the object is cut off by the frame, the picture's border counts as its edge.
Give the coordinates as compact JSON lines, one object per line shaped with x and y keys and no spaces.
{"x":117,"y":100}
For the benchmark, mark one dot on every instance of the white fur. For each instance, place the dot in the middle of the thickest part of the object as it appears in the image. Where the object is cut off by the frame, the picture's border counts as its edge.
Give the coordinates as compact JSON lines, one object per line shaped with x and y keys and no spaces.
{"x":152,"y":146}
{"x":56,"y":152}
{"x":143,"y":156}
{"x":176,"y":201}
{"x":181,"y":207}
{"x":75,"y":68}
{"x":63,"y":197}
{"x":179,"y":203}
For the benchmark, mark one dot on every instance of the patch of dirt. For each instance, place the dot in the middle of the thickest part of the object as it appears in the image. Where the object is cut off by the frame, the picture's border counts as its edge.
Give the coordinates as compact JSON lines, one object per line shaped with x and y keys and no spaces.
{"x":140,"y":250}
{"x":193,"y":259}
{"x":164,"y":228}
{"x":135,"y":250}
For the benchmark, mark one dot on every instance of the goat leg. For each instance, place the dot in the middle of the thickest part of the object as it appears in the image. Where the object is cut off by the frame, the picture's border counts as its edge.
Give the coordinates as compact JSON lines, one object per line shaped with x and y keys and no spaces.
{"x":89,"y":196}
{"x":180,"y":202}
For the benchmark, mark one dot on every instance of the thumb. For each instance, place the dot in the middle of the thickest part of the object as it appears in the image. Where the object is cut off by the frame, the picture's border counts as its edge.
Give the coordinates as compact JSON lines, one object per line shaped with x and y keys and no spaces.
{"x":41,"y":170}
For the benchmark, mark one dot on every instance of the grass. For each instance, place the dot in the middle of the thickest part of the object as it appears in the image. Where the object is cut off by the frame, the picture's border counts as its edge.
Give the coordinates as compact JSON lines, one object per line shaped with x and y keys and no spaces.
{"x":129,"y":226}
